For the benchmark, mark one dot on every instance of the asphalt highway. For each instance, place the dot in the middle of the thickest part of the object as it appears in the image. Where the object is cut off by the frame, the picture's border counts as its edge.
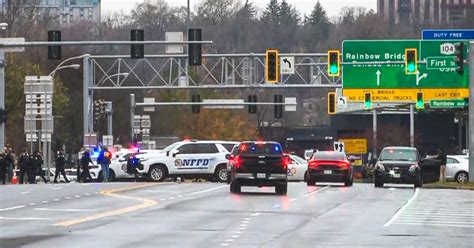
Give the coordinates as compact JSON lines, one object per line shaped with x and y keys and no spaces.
{"x":208,"y":215}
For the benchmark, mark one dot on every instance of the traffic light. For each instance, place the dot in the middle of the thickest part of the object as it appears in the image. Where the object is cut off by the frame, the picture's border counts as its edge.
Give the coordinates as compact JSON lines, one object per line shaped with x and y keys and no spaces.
{"x":195,"y":50}
{"x":278,"y":108}
{"x":331,"y":103}
{"x":54,"y":52}
{"x":367,"y":100}
{"x":334,"y":63}
{"x":137,"y":51}
{"x":411,"y":61}
{"x":3,"y":115}
{"x":459,"y":58}
{"x":196,"y":108}
{"x":253,"y":107}
{"x":420,"y":103}
{"x":272,"y":72}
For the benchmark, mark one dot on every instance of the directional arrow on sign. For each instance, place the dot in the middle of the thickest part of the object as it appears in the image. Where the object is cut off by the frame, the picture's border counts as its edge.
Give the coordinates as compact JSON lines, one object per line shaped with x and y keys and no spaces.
{"x":378,"y":77}
{"x":287,"y":61}
{"x":419,"y":78}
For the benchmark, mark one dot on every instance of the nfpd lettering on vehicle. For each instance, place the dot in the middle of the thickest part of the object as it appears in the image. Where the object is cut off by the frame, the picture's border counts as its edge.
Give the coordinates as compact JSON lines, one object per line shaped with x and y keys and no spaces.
{"x":196,"y":162}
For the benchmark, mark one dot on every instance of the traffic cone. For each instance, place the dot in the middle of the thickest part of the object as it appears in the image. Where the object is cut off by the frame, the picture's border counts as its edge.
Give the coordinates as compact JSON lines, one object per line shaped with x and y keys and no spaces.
{"x":14,"y":179}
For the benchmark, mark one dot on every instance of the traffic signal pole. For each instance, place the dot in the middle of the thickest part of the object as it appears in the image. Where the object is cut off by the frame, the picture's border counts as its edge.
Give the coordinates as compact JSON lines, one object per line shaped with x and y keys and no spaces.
{"x":471,"y":110}
{"x":2,"y":96}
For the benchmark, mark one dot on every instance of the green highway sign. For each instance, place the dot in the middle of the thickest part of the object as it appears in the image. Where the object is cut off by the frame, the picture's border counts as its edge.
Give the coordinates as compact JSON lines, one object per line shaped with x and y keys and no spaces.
{"x":459,"y":103}
{"x":437,"y":69}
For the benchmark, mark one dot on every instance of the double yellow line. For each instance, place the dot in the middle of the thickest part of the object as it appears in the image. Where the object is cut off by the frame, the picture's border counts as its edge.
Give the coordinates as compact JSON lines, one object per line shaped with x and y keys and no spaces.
{"x":145,"y":203}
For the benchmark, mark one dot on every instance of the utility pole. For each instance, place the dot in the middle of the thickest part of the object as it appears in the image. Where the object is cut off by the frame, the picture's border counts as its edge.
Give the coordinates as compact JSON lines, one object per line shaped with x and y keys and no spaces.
{"x":2,"y":96}
{"x":471,"y":109}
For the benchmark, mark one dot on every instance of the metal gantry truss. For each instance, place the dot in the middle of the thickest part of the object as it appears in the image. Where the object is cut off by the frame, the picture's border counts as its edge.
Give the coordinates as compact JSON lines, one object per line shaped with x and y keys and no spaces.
{"x":217,"y":70}
{"x":171,"y":71}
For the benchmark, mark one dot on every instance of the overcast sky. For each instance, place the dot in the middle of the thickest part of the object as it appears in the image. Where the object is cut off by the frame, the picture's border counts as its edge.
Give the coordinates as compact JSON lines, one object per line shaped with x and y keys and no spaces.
{"x":333,"y":7}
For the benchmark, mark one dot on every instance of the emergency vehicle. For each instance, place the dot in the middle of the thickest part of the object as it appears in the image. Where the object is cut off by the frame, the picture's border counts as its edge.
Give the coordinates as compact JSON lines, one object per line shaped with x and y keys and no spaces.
{"x":189,"y":159}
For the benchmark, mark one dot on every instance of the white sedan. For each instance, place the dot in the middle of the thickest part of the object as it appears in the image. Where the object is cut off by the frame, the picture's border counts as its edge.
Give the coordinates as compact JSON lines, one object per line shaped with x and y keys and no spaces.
{"x":457,"y":168}
{"x":297,"y":169}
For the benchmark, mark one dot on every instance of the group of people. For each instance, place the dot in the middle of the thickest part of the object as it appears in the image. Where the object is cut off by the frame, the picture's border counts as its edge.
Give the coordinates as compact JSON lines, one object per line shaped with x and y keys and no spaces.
{"x":104,"y":160}
{"x":30,"y":166}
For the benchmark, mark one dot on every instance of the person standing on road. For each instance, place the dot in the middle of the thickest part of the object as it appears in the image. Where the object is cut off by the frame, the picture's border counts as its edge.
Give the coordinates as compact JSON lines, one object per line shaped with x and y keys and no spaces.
{"x":132,"y":165}
{"x":10,"y":162}
{"x":3,"y":166}
{"x":104,"y":159}
{"x":35,"y":162}
{"x":60,"y":163}
{"x":23,"y":164}
{"x":442,"y":169}
{"x":84,"y":164}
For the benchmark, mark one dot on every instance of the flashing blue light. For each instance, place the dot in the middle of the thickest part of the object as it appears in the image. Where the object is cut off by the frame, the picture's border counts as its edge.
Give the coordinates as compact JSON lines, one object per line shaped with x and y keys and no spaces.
{"x":253,"y":148}
{"x":277,"y":148}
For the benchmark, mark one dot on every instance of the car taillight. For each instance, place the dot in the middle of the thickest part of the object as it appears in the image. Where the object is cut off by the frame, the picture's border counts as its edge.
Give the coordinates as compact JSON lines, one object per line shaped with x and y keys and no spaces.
{"x":286,"y":161}
{"x":237,"y":161}
{"x":344,"y":165}
{"x":313,"y":164}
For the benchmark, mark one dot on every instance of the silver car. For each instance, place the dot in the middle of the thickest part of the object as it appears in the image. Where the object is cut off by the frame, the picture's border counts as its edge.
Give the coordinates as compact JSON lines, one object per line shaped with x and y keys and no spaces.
{"x":457,"y":168}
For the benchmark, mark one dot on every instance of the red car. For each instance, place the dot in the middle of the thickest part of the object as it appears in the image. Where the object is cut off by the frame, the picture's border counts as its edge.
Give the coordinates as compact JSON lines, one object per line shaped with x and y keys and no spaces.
{"x":329,"y":166}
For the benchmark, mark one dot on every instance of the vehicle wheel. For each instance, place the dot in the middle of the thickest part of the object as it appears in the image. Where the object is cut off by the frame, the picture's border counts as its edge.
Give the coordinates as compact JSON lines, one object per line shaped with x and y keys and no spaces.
{"x":310,"y":181}
{"x":221,"y":173}
{"x":157,"y":173}
{"x":349,"y":181}
{"x":419,"y":181}
{"x":281,"y":189}
{"x":462,"y":177}
{"x":235,"y":187}
{"x":378,"y":183}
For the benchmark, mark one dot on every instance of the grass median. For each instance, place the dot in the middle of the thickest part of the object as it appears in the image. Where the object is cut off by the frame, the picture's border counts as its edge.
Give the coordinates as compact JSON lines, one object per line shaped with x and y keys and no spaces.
{"x":449,"y":185}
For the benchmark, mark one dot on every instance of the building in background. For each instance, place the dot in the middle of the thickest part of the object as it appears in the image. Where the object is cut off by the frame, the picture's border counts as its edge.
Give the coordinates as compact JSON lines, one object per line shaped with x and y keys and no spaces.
{"x":425,"y":11}
{"x":64,"y":11}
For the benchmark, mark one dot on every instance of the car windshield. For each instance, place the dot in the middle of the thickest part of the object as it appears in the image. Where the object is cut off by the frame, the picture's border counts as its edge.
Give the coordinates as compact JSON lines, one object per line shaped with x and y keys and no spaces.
{"x":298,"y":159}
{"x":398,"y":155}
{"x":260,"y":148}
{"x":329,"y":155}
{"x":171,"y":147}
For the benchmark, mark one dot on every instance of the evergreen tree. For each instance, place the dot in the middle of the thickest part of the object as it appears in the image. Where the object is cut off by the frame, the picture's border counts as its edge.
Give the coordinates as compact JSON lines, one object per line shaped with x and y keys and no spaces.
{"x":272,"y":13}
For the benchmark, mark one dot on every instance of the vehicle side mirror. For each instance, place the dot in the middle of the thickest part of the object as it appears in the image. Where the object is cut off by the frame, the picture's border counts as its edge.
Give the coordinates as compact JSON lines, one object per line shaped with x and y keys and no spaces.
{"x":227,"y":156}
{"x":174,"y":153}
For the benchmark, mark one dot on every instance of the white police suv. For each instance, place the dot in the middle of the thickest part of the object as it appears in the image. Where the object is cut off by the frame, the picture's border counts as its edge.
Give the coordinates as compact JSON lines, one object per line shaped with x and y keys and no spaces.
{"x":189,"y":159}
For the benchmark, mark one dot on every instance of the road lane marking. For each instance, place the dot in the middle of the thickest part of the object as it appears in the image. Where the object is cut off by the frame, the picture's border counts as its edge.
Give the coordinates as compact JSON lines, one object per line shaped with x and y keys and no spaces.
{"x":207,"y":190}
{"x":235,"y":236}
{"x":433,"y":224}
{"x":25,"y":192}
{"x":224,"y":244}
{"x":247,"y":218}
{"x":56,"y":200}
{"x":11,"y":208}
{"x":229,"y":240}
{"x":44,"y":201}
{"x":400,"y":210}
{"x":22,"y":218}
{"x":245,"y":221}
{"x":32,"y":204}
{"x":65,"y":210}
{"x":57,"y":188}
{"x":87,"y":194}
{"x":163,"y":199}
{"x":113,"y":193}
{"x":315,"y":191}
{"x":255,"y":214}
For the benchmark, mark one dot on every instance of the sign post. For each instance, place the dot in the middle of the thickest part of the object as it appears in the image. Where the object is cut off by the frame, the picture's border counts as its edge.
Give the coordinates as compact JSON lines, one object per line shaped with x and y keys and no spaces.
{"x":471,"y":110}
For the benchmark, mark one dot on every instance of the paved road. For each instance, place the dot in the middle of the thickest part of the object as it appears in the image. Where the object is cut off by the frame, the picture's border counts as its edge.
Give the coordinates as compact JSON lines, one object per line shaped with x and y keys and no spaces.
{"x":207,"y":215}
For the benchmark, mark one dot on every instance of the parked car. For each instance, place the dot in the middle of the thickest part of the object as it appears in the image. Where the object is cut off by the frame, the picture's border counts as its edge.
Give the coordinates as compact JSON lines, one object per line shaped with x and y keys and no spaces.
{"x":457,"y":168}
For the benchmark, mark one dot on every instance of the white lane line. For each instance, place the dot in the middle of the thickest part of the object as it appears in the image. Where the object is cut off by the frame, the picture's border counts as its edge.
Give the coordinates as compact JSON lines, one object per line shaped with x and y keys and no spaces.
{"x":32,"y":204}
{"x":238,"y":232}
{"x":229,"y":240}
{"x":207,"y":190}
{"x":400,"y":210}
{"x":432,"y":224}
{"x":243,"y":225}
{"x":65,"y":210}
{"x":97,"y":192}
{"x":11,"y":208}
{"x":224,"y":244}
{"x":255,"y":214}
{"x":171,"y":198}
{"x":315,"y":191}
{"x":242,"y":228}
{"x":247,"y":218}
{"x":22,"y":218}
{"x":235,"y":236}
{"x":179,"y":196}
{"x":87,"y":194}
{"x":163,"y":199}
{"x":25,"y":192}
{"x":44,"y":201}
{"x":77,"y":196}
{"x":245,"y":221}
{"x":56,"y":200}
